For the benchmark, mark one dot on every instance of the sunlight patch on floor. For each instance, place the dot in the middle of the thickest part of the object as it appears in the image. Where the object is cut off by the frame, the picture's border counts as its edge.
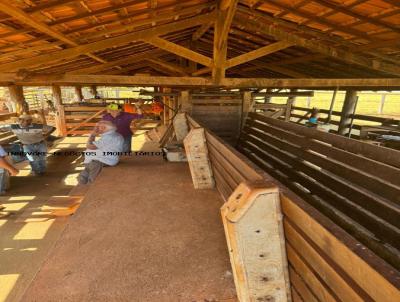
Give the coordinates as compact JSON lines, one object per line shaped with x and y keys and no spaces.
{"x":16,"y":198}
{"x":7,"y":283}
{"x":34,"y":231}
{"x":15,"y":206}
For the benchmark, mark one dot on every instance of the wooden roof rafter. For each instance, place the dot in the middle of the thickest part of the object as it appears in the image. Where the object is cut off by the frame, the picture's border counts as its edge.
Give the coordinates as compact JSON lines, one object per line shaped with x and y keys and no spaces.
{"x":106,"y":43}
{"x":20,"y":15}
{"x":248,"y":21}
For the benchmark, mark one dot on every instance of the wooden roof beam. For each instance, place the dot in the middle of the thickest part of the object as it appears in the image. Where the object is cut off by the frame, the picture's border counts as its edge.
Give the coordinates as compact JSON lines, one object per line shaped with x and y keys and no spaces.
{"x":159,"y":16}
{"x":179,"y":50}
{"x":97,"y":12}
{"x":126,"y":60}
{"x":109,"y":42}
{"x":225,"y":13}
{"x":201,"y":31}
{"x":113,"y":80}
{"x":315,"y":46}
{"x":314,"y":18}
{"x":23,"y":17}
{"x":343,"y":10}
{"x":170,"y":67}
{"x":258,"y":53}
{"x":47,"y":5}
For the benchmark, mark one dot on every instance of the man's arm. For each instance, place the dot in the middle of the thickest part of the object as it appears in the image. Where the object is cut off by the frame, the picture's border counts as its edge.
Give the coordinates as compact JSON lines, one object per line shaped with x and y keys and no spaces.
{"x":90,"y":143}
{"x":47,"y":130}
{"x":5,"y":128}
{"x":6,"y":165}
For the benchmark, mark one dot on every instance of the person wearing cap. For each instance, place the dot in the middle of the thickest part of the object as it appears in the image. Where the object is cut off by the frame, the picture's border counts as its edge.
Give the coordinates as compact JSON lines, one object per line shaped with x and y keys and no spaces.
{"x":32,"y":136}
{"x":122,"y":120}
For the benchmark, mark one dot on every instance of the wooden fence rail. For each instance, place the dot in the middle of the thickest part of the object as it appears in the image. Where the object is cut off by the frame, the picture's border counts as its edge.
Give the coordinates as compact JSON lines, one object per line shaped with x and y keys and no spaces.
{"x":342,"y":246}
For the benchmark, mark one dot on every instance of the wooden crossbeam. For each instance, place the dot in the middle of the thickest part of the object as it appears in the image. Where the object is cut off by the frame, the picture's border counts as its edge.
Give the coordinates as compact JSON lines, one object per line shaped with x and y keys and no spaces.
{"x":126,"y":60}
{"x":179,"y":50}
{"x":115,"y":80}
{"x":106,"y":43}
{"x":23,"y":17}
{"x":169,"y":66}
{"x":201,"y":31}
{"x":161,"y":16}
{"x":339,"y":8}
{"x":47,"y":5}
{"x":252,"y":24}
{"x":258,"y":53}
{"x":96,"y":12}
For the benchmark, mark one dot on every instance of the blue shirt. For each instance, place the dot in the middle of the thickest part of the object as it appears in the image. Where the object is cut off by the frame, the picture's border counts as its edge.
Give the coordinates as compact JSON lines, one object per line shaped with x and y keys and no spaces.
{"x":108,"y":146}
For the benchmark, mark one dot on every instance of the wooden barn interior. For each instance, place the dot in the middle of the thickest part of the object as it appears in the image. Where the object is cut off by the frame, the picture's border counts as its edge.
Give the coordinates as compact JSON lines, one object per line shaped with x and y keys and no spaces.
{"x":230,"y":194}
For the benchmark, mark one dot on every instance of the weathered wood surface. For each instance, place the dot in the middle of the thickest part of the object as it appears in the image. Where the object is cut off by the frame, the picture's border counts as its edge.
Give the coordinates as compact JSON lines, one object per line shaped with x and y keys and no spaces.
{"x":253,"y":227}
{"x":198,"y":159}
{"x":326,"y":261}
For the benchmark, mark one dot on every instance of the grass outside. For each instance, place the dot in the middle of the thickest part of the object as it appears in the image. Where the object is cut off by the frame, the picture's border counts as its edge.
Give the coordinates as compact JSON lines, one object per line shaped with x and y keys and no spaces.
{"x":369,"y":103}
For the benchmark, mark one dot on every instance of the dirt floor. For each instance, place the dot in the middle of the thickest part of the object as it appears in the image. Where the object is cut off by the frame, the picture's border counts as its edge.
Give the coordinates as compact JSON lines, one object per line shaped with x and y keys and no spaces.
{"x":29,"y":233}
{"x":142,"y":234}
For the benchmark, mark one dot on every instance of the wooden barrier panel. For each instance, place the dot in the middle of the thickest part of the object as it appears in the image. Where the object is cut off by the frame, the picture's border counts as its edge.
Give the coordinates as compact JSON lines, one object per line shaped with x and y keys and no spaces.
{"x":253,"y":227}
{"x":341,"y":177}
{"x":197,"y":155}
{"x":327,"y":261}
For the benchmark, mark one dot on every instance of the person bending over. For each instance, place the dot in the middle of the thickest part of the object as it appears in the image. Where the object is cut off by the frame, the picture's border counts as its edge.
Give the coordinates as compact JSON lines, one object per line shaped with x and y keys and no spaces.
{"x":123,"y":122}
{"x":102,"y":152}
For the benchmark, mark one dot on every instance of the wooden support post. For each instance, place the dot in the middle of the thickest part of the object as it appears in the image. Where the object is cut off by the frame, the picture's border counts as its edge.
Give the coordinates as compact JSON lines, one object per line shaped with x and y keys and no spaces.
{"x":199,"y":162}
{"x":328,"y":120}
{"x":93,"y":90}
{"x":382,"y":104}
{"x":181,"y":127}
{"x":289,"y":105}
{"x":17,"y":97}
{"x":60,"y":116}
{"x":185,"y":102}
{"x":246,"y":107}
{"x":78,"y":93}
{"x":349,"y":104}
{"x":254,"y":232}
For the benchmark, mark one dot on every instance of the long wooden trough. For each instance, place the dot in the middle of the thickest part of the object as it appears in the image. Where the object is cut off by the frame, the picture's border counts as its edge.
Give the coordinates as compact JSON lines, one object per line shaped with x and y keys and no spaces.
{"x":340,"y":204}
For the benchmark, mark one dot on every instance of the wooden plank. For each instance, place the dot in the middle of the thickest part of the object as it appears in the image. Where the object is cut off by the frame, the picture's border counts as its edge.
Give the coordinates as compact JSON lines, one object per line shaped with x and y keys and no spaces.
{"x":324,"y":204}
{"x":20,"y":15}
{"x":201,"y":31}
{"x":251,"y":25}
{"x":300,"y":287}
{"x":118,"y":80}
{"x":381,"y":154}
{"x":216,"y":165}
{"x":181,"y":127}
{"x":86,"y":120}
{"x":105,"y":43}
{"x":179,"y":50}
{"x":221,"y":184}
{"x":319,"y":289}
{"x":233,"y":172}
{"x":82,"y":108}
{"x":353,"y":208}
{"x":254,"y":233}
{"x":258,"y":53}
{"x":198,"y":159}
{"x":372,"y":167}
{"x":225,"y":13}
{"x":342,"y":286}
{"x":367,"y":277}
